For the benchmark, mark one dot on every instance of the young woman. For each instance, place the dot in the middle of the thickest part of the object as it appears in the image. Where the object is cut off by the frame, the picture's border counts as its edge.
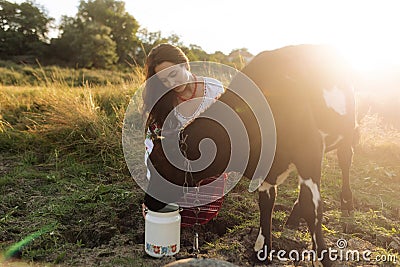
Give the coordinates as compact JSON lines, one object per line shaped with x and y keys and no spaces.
{"x":171,"y":88}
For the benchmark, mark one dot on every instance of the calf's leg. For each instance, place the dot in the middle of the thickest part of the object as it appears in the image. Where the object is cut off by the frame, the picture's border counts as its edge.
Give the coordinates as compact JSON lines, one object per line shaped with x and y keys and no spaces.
{"x":266,"y":200}
{"x":309,"y":205}
{"x":345,"y":156}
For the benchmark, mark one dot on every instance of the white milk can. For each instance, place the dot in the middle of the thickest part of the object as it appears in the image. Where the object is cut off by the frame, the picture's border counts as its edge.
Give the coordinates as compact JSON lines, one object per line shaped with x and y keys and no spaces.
{"x":163,"y":231}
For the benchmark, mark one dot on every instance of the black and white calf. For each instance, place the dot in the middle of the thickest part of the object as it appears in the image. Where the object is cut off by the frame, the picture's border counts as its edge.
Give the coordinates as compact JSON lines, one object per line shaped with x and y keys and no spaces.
{"x":312,"y":101}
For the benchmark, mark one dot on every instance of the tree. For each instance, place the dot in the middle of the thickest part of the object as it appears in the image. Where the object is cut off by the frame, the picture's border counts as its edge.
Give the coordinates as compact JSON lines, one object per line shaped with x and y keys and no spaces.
{"x":196,"y":53}
{"x":219,"y":56}
{"x":86,"y":44}
{"x":98,"y":50}
{"x":147,"y":40}
{"x":239,"y":57}
{"x":23,"y":29}
{"x":122,"y":25}
{"x":67,"y":47}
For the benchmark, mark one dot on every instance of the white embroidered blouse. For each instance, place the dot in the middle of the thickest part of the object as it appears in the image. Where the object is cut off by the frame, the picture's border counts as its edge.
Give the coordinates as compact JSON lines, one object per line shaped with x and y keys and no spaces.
{"x":213,"y":89}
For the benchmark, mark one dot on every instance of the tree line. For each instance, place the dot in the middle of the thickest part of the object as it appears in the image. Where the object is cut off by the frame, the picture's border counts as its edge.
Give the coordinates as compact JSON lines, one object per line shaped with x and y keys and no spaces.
{"x":101,"y":35}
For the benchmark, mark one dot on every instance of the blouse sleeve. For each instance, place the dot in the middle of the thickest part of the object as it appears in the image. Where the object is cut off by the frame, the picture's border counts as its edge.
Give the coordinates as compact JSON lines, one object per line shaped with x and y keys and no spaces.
{"x":148,"y":143}
{"x":214,"y":88}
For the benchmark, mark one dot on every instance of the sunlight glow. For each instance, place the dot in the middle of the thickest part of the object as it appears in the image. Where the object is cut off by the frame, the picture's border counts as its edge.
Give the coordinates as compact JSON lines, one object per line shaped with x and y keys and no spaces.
{"x":364,"y":30}
{"x":370,"y":57}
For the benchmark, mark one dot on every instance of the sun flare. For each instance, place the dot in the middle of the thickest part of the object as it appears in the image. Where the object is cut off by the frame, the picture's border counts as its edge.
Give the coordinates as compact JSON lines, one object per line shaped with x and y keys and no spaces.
{"x":367,"y":57}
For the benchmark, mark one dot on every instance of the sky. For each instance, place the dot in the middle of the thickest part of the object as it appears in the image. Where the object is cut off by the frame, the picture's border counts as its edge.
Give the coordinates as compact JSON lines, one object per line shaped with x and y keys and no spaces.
{"x":365,"y":30}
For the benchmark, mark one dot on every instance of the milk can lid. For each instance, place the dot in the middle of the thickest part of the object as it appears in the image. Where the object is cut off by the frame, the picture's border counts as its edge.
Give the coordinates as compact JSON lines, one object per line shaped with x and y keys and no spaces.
{"x":169,"y":208}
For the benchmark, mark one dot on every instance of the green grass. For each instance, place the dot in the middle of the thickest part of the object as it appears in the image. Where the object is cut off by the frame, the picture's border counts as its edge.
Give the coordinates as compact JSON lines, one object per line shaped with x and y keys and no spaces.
{"x":62,"y":170}
{"x":62,"y":165}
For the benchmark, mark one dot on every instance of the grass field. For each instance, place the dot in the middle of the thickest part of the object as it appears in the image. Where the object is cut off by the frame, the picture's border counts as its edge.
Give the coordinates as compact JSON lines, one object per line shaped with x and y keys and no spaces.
{"x":67,"y":198}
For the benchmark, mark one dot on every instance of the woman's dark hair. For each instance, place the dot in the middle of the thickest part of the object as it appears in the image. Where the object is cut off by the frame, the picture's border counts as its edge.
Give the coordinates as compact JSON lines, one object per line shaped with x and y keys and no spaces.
{"x":156,"y":107}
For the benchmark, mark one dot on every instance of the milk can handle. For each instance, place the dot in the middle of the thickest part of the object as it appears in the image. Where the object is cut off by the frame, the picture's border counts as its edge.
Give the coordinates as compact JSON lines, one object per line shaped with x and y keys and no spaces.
{"x":145,"y":209}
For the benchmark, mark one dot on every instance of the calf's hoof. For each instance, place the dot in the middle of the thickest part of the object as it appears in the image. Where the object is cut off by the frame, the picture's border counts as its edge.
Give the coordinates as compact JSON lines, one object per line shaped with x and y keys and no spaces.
{"x":326,"y":262}
{"x":346,"y":203}
{"x":292,"y":223}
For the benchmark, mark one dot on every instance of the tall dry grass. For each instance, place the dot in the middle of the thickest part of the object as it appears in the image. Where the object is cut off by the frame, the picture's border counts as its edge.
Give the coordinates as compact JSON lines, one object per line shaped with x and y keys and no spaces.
{"x":379,"y":120}
{"x":37,"y":75}
{"x":85,"y":121}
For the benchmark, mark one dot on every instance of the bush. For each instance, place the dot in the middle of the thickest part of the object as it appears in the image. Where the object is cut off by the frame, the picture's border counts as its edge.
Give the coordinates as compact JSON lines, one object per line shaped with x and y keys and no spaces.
{"x":10,"y":77}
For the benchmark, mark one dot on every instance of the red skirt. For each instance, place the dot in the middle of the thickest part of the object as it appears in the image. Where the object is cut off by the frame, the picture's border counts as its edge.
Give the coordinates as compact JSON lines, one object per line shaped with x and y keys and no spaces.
{"x":204,"y":213}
